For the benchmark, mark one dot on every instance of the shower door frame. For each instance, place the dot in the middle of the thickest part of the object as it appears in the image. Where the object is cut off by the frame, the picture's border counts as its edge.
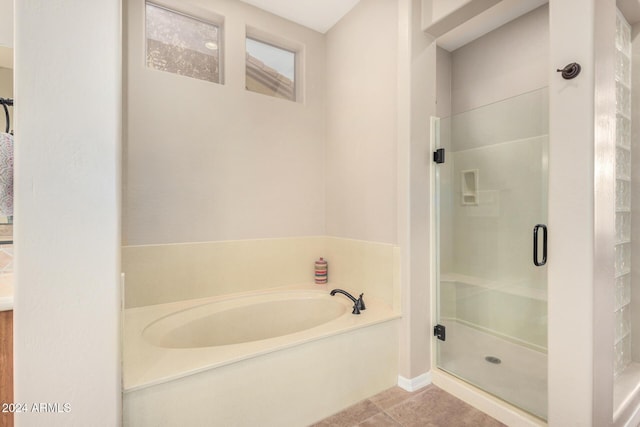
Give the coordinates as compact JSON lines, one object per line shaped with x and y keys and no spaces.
{"x":469,"y":392}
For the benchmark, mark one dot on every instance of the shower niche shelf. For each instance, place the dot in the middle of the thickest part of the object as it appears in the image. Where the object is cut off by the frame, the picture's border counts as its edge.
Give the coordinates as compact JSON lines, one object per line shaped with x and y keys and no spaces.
{"x":469,"y":182}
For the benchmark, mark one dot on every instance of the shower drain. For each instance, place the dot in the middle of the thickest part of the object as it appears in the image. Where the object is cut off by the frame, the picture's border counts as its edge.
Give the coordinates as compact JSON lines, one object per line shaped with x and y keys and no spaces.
{"x":493,"y":359}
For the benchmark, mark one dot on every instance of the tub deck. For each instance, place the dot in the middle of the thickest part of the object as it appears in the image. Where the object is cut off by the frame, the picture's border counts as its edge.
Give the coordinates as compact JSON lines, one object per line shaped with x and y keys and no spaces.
{"x":147,"y":365}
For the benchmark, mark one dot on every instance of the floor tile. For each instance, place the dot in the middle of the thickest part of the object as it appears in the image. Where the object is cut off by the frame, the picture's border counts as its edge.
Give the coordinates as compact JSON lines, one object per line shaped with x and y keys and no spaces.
{"x":379,"y":420}
{"x":434,"y":407}
{"x":395,"y":407}
{"x":390,"y":397}
{"x":351,"y":416}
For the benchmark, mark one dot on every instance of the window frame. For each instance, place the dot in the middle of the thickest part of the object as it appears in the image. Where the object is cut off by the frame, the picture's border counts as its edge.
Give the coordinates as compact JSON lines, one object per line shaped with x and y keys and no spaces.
{"x":197,"y":14}
{"x":296,"y":49}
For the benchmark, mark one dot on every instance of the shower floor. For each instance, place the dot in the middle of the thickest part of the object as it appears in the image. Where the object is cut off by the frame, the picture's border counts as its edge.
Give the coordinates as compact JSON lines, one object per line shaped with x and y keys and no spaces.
{"x":519,"y":378}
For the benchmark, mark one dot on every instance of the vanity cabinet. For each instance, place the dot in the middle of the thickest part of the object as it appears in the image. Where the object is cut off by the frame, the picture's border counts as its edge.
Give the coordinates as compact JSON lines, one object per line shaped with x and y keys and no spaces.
{"x":6,"y":365}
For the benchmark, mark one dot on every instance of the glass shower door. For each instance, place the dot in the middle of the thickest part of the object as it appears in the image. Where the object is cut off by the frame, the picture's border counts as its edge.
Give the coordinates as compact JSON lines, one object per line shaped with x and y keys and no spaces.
{"x":492,"y":279}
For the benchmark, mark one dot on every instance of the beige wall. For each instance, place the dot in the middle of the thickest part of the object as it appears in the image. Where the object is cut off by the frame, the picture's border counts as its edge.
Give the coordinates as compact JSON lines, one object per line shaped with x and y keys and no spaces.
{"x":441,"y":8}
{"x":250,"y":173}
{"x":6,"y":82}
{"x":508,"y":61}
{"x":67,"y":291}
{"x":220,"y":163}
{"x":6,"y":91}
{"x":208,"y":162}
{"x":361,"y":199}
{"x":581,"y":261}
{"x":416,"y":104}
{"x":443,"y":82}
{"x":6,"y":23}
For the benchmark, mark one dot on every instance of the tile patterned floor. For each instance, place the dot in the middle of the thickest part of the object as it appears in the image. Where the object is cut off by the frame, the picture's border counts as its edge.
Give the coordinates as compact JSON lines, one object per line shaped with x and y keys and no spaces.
{"x":428,"y":407}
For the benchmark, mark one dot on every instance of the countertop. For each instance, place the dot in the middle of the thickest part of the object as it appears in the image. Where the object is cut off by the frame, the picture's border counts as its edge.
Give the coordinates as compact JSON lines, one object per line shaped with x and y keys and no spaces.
{"x":6,"y":292}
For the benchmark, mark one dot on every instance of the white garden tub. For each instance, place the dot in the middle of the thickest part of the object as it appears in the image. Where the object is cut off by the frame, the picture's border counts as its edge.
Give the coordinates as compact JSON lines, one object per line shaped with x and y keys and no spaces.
{"x":289,"y":344}
{"x":244,"y":320}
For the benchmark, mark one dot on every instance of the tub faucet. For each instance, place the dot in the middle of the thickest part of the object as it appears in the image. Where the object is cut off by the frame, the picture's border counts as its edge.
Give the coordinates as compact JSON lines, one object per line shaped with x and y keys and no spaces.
{"x":358,"y":304}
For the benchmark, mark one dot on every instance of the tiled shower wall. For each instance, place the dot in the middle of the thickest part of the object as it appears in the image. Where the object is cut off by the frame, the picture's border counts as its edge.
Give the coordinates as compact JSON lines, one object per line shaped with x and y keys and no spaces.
{"x":623,"y":196}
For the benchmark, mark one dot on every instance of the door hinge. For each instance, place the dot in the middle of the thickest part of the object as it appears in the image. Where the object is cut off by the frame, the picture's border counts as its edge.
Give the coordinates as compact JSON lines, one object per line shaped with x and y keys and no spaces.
{"x":440,"y":332}
{"x":438,"y":155}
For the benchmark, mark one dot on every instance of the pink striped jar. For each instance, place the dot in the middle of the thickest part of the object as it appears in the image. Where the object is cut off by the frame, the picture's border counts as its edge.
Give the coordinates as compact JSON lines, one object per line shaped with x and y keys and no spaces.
{"x":321,"y":268}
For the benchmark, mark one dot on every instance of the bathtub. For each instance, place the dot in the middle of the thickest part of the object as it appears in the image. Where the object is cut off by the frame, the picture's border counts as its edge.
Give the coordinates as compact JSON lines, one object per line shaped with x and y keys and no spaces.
{"x":286,"y":356}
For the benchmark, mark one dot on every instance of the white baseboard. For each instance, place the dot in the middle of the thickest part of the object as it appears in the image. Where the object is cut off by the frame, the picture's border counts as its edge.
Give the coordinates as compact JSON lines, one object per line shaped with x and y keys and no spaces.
{"x":413,"y":384}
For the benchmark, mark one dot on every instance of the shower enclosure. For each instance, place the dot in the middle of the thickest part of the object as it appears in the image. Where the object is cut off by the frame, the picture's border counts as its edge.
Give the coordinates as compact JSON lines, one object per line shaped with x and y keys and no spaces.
{"x":491,"y":207}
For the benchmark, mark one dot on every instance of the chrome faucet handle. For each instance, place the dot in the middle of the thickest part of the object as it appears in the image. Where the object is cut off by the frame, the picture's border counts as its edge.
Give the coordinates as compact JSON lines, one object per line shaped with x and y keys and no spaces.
{"x":360,"y":303}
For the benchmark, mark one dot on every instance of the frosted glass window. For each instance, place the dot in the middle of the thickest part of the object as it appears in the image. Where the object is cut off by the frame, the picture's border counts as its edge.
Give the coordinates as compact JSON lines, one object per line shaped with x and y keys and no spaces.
{"x":270,"y":70}
{"x":182,"y":45}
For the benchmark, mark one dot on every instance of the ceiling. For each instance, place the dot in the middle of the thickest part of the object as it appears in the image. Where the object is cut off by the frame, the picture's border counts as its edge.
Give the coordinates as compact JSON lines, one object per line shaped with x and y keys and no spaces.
{"x":486,"y":21}
{"x":630,"y":9}
{"x":314,"y":14}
